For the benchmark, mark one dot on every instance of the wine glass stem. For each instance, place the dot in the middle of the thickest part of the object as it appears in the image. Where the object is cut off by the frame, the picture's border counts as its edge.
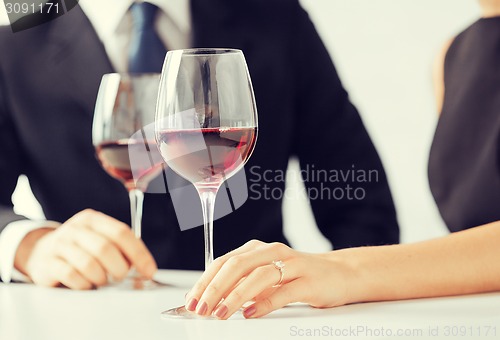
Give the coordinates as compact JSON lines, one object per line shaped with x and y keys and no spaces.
{"x":136,"y":202}
{"x":207,"y":196}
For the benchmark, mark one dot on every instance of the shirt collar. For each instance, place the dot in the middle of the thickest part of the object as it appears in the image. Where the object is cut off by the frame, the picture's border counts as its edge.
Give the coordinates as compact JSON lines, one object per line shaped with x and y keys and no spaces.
{"x":106,"y":16}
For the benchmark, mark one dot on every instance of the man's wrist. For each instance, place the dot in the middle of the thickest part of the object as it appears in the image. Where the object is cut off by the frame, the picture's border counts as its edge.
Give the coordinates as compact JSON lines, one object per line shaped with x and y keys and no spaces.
{"x":26,"y":247}
{"x":10,"y":239}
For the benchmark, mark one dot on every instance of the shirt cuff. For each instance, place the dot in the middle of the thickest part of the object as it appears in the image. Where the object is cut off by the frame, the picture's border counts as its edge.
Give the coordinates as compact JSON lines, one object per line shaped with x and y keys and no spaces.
{"x":10,"y":238}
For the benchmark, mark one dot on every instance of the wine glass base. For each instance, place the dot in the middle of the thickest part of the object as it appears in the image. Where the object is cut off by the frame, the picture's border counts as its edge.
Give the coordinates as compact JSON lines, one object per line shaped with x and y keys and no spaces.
{"x":135,"y":283}
{"x":182,"y":313}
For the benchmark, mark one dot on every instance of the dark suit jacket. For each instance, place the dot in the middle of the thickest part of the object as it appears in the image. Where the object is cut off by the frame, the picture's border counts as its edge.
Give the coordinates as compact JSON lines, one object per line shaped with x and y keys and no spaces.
{"x":49,"y":76}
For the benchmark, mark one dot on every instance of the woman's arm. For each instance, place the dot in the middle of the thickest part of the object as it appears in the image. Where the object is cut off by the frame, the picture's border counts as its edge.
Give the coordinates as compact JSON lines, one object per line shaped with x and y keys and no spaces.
{"x":461,"y":263}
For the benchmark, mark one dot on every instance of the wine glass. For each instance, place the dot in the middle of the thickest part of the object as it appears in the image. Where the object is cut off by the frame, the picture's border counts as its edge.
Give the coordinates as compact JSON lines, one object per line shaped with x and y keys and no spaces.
{"x":123,"y":136}
{"x":206,"y":125}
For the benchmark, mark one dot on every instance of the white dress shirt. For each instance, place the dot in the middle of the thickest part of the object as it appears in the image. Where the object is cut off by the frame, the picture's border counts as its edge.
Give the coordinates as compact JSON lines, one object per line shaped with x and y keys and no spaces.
{"x":113,"y":24}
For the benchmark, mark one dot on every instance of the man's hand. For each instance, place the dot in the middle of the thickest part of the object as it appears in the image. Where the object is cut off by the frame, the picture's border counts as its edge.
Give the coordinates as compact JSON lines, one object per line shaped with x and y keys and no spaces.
{"x":82,"y":252}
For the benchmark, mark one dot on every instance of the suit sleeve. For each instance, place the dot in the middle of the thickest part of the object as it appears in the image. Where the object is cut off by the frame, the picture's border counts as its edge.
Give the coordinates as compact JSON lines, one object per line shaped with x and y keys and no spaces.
{"x":346,"y":183}
{"x":10,"y":159}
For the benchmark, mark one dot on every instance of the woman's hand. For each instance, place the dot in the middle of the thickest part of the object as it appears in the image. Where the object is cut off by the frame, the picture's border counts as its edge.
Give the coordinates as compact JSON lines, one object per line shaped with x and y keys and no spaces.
{"x":465,"y":262}
{"x":248,"y":274}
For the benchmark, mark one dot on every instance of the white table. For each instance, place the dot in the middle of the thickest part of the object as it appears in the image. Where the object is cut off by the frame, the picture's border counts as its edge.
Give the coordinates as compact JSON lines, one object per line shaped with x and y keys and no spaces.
{"x":28,"y":312}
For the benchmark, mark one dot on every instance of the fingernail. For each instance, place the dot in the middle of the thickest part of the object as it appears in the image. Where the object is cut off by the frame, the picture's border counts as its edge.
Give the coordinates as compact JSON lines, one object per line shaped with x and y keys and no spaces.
{"x":191,"y":305}
{"x":202,"y":308}
{"x":249,"y":311}
{"x":221,"y":311}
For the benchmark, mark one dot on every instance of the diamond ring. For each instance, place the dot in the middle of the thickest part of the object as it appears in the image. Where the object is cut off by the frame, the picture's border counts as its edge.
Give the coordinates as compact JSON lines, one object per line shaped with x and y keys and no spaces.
{"x":280,"y":266}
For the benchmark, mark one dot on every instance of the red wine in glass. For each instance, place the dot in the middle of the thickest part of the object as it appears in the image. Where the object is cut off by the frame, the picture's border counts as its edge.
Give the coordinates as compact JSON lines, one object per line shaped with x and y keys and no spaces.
{"x":115,"y":158}
{"x":207,"y":155}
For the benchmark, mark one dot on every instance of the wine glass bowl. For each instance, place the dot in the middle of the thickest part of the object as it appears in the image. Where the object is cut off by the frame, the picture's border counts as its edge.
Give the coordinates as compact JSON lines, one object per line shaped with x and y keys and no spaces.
{"x":206,"y":124}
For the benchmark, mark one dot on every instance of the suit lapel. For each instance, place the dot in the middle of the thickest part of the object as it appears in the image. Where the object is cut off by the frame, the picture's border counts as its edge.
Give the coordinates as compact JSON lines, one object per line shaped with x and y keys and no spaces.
{"x":78,"y":57}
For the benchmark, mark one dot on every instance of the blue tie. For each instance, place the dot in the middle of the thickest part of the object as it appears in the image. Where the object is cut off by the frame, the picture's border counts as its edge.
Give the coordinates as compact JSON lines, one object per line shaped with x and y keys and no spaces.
{"x":147,"y":52}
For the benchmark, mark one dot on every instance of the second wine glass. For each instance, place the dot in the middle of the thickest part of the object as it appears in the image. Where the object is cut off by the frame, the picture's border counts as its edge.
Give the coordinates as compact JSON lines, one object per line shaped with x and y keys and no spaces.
{"x":123,"y":136}
{"x":206,"y":124}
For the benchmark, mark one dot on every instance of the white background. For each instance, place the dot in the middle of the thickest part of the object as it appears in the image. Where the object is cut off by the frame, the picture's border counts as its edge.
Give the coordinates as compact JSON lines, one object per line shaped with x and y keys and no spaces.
{"x":384,"y":51}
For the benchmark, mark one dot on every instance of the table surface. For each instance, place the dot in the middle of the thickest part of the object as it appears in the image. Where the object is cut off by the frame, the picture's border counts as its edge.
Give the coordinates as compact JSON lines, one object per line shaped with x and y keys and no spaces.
{"x":28,"y":312}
